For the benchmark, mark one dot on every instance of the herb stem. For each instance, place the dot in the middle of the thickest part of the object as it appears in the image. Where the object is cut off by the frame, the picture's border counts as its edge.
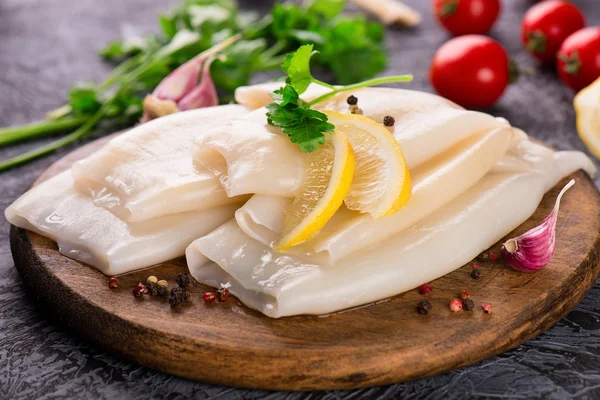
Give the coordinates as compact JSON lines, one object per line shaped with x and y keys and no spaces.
{"x":81,"y":132}
{"x":360,"y":85}
{"x":38,"y":129}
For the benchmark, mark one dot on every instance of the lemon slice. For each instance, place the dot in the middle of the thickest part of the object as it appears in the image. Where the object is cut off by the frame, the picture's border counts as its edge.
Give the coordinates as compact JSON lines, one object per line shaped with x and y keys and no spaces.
{"x":381,"y":184}
{"x":587,"y":108}
{"x":329,"y":174}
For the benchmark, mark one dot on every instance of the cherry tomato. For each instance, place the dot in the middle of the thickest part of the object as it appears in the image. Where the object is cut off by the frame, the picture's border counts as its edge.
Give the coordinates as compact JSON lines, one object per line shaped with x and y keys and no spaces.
{"x":471,"y":70}
{"x":464,"y":17}
{"x":546,"y":26}
{"x":578,"y":60}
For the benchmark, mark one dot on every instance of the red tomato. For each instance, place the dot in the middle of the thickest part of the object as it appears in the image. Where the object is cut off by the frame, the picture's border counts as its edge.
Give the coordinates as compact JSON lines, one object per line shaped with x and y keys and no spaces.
{"x":463,"y":17}
{"x":471,"y":70}
{"x":546,"y":26}
{"x":578,"y":60}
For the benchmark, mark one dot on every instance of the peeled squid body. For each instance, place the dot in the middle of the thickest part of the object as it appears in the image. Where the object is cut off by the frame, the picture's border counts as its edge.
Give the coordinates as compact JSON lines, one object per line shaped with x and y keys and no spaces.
{"x":148,"y":172}
{"x":279,"y":284}
{"x":95,"y":236}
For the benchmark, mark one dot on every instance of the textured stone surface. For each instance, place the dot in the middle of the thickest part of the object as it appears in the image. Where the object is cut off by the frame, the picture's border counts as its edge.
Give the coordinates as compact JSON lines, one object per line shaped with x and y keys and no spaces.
{"x":47,"y":45}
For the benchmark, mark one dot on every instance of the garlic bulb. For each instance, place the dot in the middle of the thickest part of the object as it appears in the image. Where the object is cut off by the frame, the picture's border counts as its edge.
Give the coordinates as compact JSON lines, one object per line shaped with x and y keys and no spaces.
{"x":534,"y":249}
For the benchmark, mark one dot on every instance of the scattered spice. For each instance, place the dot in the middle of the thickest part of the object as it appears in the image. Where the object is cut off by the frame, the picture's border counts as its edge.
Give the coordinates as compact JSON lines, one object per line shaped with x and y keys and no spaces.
{"x":209,"y":297}
{"x":388,"y":120}
{"x":465,"y":295}
{"x":183,"y":280}
{"x":151,"y":279}
{"x":493,"y":256}
{"x":112,"y":282}
{"x":475,"y":265}
{"x":352,"y":100}
{"x":152,"y":288}
{"x":456,"y":305}
{"x":178,"y":296}
{"x":483,"y":257}
{"x":487,"y":308}
{"x":140,"y":290}
{"x":425,"y":288}
{"x":223,"y":294}
{"x":162,"y":282}
{"x":424,"y":307}
{"x":475,"y":274}
{"x":468,"y":305}
{"x":162,"y":290}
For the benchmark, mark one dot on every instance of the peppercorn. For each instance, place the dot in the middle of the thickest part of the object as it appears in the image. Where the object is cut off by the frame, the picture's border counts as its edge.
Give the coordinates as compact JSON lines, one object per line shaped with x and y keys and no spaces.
{"x":140,"y":290}
{"x":487,"y":308}
{"x":483,"y":257}
{"x":465,"y":295}
{"x":178,"y":296}
{"x":475,"y":274}
{"x":209,"y":297}
{"x":352,"y":100}
{"x":162,"y":290}
{"x":162,"y":282}
{"x":475,"y":265}
{"x":183,"y":280}
{"x":223,"y":294}
{"x":468,"y":305}
{"x":388,"y":120}
{"x":152,"y":279}
{"x":456,"y":305}
{"x":494,"y":256}
{"x":112,"y":282}
{"x":424,"y":307}
{"x":425,"y":288}
{"x":152,"y":288}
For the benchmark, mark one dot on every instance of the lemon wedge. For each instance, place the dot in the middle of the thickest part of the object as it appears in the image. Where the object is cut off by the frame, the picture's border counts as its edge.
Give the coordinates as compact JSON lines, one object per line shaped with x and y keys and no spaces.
{"x":381,"y":184}
{"x":587,"y":108}
{"x":329,"y":174}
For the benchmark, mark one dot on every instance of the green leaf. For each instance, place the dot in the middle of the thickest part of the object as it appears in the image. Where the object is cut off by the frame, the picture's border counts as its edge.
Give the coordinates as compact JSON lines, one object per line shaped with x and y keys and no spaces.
{"x":84,"y":99}
{"x":168,"y":25}
{"x":298,"y":68}
{"x":304,"y":36}
{"x":285,"y":95}
{"x":327,"y":8}
{"x":113,"y":50}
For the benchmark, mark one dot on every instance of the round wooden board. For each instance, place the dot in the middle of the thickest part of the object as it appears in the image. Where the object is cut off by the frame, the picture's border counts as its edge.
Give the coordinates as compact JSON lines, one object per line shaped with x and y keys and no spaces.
{"x":229,"y":344}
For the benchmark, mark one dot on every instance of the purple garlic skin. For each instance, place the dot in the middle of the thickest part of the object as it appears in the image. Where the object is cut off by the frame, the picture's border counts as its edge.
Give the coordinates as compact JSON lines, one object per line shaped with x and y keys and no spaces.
{"x":534,"y":249}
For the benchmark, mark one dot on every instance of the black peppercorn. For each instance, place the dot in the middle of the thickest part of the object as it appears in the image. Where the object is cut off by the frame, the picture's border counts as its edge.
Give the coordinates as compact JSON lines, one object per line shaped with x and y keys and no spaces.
{"x":468,"y":304}
{"x":388,"y":120}
{"x":352,"y":100}
{"x":424,"y":307}
{"x":475,"y":274}
{"x":162,"y":290}
{"x":178,"y":296}
{"x":183,"y":280}
{"x":152,"y":288}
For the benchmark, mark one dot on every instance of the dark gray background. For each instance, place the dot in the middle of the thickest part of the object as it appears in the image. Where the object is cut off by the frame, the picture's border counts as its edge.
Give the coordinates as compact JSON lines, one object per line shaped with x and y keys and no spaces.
{"x":45,"y":45}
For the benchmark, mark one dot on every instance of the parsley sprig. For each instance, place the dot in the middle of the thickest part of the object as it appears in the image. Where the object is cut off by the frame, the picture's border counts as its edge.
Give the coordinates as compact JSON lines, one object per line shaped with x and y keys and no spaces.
{"x":307,"y":127}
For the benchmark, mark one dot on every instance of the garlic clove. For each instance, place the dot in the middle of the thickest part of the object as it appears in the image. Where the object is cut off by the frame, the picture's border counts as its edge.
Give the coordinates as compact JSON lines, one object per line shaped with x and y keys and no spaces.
{"x":203,"y":95}
{"x":534,"y":249}
{"x":180,"y":82}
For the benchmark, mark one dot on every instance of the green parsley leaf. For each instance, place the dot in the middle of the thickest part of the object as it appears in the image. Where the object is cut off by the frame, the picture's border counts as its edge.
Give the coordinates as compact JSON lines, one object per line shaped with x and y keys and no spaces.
{"x":84,"y":99}
{"x":298,"y":68}
{"x":327,"y":8}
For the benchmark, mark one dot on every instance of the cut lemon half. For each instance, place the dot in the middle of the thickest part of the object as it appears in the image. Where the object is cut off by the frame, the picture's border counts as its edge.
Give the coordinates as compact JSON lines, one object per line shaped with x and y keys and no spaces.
{"x":381,"y":184}
{"x":587,"y":108}
{"x":329,"y":174}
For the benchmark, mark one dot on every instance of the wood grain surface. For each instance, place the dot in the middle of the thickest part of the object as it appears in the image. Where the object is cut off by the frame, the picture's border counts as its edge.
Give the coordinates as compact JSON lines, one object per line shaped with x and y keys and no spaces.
{"x":229,"y":344}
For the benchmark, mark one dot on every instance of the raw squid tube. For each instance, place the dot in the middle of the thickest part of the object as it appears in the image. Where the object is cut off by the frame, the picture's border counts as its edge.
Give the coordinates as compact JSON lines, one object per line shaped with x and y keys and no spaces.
{"x":282,"y":285}
{"x":249,"y":156}
{"x":435,"y":184}
{"x":148,"y":171}
{"x":97,"y":237}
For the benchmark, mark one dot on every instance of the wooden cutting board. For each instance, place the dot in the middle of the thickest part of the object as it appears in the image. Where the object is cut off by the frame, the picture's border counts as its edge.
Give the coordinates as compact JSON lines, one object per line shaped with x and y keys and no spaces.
{"x":229,"y":344}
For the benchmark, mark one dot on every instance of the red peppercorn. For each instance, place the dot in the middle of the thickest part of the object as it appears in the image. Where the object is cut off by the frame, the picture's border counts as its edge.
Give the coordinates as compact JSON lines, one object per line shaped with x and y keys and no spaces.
{"x":209,"y":297}
{"x":456,"y":305}
{"x":223,"y":294}
{"x":425,"y":288}
{"x":494,"y":256}
{"x":465,"y":295}
{"x":487,"y":308}
{"x":112,"y":282}
{"x":475,"y":265}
